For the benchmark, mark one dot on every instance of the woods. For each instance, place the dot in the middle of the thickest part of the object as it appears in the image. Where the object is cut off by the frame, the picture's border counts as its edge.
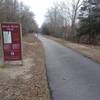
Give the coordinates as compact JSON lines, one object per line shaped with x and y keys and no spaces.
{"x":78,"y":22}
{"x":14,"y":11}
{"x":63,"y":17}
{"x":75,"y":20}
{"x":90,"y":21}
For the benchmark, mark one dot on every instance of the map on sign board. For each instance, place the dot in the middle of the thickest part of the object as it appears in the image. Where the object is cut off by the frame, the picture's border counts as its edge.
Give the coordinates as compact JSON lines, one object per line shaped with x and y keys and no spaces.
{"x":7,"y":37}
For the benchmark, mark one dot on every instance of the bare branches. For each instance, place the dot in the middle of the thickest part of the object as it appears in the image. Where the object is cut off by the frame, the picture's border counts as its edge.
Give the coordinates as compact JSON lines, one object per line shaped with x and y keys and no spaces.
{"x":64,"y":15}
{"x":13,"y":11}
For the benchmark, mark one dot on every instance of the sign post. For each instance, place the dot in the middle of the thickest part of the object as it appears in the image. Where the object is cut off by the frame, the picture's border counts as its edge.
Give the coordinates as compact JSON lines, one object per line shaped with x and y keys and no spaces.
{"x":11,"y":39}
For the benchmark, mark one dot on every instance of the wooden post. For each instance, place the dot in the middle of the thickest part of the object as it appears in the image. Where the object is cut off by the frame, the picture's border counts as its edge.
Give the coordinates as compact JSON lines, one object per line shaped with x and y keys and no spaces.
{"x":2,"y":52}
{"x":21,"y":43}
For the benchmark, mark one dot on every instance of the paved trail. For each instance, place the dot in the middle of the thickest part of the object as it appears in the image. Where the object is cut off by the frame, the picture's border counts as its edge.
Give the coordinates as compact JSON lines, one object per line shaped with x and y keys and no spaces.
{"x":71,"y":76}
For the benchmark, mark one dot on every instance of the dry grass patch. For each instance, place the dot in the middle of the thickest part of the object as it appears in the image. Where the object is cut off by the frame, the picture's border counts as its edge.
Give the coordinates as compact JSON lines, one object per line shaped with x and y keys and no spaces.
{"x":27,"y":82}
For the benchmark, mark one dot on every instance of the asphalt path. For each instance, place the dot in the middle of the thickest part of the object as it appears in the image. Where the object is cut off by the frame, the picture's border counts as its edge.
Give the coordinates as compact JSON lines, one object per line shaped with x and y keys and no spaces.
{"x":71,"y":76}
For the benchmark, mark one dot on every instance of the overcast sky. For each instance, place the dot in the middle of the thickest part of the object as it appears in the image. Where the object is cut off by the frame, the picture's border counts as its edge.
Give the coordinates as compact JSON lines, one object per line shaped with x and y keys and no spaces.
{"x":39,"y":7}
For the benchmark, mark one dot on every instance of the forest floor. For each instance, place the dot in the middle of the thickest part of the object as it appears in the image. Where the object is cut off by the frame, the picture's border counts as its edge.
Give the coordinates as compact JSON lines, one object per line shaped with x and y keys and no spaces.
{"x":90,"y":51}
{"x":27,"y":82}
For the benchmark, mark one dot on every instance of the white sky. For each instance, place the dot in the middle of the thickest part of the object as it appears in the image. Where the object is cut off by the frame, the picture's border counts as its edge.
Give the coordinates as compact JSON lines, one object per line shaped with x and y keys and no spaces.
{"x":39,"y":7}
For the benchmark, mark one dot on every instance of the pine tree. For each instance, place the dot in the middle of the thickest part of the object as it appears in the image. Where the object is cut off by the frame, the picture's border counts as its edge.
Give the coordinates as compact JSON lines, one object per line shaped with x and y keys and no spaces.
{"x":90,"y":21}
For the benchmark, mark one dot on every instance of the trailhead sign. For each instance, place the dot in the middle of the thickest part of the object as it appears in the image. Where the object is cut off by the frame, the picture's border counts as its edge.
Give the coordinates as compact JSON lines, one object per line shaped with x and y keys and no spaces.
{"x":11,"y":39}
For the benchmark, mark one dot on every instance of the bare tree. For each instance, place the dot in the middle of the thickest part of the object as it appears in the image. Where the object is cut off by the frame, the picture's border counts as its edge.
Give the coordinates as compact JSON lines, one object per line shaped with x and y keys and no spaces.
{"x":64,"y":14}
{"x":13,"y":11}
{"x":76,"y":4}
{"x":54,"y":19}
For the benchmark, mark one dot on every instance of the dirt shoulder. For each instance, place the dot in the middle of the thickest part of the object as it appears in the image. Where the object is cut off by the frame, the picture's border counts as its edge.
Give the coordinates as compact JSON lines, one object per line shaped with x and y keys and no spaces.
{"x":27,"y":82}
{"x":90,"y":51}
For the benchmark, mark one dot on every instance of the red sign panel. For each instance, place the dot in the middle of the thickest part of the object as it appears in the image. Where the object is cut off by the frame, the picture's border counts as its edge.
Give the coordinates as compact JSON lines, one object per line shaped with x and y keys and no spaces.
{"x":11,"y":36}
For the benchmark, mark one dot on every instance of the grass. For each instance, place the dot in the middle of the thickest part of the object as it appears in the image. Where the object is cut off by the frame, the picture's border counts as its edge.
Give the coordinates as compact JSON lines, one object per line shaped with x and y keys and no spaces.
{"x":2,"y":66}
{"x":39,"y":71}
{"x":27,"y":82}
